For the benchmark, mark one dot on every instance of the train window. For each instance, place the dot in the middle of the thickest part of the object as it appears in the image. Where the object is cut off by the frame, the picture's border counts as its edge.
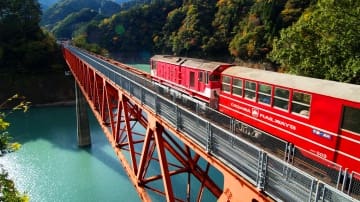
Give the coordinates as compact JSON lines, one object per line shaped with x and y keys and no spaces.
{"x":214,"y":77}
{"x":351,"y":119}
{"x":206,"y":77}
{"x":281,"y":98}
{"x":237,"y":87}
{"x":264,"y":94}
{"x":201,"y":76}
{"x":250,"y":90}
{"x":301,"y":103}
{"x":192,"y":79}
{"x":225,"y":83}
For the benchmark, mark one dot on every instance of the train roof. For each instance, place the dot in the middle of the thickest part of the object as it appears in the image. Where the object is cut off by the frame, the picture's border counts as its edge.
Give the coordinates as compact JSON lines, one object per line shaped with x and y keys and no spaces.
{"x":319,"y":86}
{"x":190,"y":62}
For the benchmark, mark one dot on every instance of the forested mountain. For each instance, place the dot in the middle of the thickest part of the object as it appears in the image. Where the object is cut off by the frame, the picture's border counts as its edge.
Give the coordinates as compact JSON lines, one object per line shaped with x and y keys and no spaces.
{"x":45,"y":4}
{"x":131,"y":30}
{"x":209,"y":28}
{"x":316,"y":38}
{"x":62,"y":9}
{"x":74,"y":21}
{"x":307,"y":37}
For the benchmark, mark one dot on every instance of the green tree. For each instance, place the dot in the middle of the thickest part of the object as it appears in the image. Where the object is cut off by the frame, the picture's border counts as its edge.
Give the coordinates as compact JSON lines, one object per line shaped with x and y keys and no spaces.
{"x":173,"y":22}
{"x":8,"y":192}
{"x":255,"y":33}
{"x":23,"y":44}
{"x":324,"y":43}
{"x":18,"y":23}
{"x":130,"y":31}
{"x":229,"y":14}
{"x":65,"y":28}
{"x":195,"y":29}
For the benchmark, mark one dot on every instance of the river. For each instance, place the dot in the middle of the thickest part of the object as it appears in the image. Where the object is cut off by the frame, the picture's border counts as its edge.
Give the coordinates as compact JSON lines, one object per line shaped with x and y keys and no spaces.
{"x":51,"y":167}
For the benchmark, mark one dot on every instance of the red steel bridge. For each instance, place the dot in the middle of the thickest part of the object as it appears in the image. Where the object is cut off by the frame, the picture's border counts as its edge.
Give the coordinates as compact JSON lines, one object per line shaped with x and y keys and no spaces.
{"x":190,"y":146}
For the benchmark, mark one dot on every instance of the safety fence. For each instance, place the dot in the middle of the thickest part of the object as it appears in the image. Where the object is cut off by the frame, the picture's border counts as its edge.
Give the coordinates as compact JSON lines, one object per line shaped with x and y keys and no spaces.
{"x":276,"y":167}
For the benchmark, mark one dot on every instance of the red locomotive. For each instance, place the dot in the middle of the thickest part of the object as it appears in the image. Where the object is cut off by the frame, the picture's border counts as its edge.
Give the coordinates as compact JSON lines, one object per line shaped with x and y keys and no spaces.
{"x":320,"y":116}
{"x":187,"y":76}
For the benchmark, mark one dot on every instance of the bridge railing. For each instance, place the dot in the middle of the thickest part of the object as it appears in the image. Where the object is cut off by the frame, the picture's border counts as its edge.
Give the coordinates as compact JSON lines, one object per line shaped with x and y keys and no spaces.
{"x":354,"y":184}
{"x":277,"y":177}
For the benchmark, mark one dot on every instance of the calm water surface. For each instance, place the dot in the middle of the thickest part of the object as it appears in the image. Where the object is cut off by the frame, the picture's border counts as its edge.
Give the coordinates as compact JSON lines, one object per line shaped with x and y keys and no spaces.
{"x":51,"y":167}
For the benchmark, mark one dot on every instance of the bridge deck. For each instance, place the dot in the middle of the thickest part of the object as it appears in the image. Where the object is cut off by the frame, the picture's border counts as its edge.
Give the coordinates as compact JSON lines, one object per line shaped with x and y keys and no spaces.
{"x":250,"y":172}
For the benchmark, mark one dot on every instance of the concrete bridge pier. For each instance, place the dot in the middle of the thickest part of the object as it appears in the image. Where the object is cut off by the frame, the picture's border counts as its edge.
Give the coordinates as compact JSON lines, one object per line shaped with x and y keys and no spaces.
{"x":83,"y":129}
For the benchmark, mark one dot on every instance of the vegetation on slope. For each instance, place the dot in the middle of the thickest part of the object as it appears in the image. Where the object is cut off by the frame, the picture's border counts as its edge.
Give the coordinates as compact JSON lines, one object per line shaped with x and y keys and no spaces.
{"x":74,"y":21}
{"x":323,"y":43}
{"x":63,"y":8}
{"x":243,"y":29}
{"x":29,"y":56}
{"x":308,"y":37}
{"x":23,"y":45}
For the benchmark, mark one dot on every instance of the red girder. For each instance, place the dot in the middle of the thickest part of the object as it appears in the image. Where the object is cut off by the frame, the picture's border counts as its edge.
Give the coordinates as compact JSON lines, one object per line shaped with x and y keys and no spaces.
{"x":118,"y":112}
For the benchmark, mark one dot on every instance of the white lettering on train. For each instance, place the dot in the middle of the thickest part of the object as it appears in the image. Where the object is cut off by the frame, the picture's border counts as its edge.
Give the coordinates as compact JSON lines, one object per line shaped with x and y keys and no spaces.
{"x":240,"y":107}
{"x":256,"y":113}
{"x":277,"y":121}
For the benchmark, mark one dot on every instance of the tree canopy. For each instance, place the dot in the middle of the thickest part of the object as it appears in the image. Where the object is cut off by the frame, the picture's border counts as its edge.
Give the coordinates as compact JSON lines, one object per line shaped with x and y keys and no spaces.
{"x":323,"y":43}
{"x":23,"y":44}
{"x":316,"y":38}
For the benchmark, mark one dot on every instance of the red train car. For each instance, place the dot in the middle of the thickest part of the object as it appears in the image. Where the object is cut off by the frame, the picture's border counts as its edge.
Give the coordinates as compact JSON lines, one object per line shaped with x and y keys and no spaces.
{"x":199,"y":79}
{"x":320,"y":116}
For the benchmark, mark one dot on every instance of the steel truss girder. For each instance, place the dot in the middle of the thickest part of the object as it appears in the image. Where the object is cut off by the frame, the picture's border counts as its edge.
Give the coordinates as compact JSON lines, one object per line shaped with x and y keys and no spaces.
{"x":118,"y":112}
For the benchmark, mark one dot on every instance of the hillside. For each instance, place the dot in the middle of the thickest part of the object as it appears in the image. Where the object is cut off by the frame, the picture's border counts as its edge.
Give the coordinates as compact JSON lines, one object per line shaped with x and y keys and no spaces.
{"x":31,"y":62}
{"x":62,"y":9}
{"x":45,"y":4}
{"x":315,"y":38}
{"x":74,"y":21}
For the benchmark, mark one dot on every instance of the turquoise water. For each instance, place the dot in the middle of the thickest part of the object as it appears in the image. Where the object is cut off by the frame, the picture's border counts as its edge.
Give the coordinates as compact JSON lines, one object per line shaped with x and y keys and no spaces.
{"x":51,"y":167}
{"x":143,"y":67}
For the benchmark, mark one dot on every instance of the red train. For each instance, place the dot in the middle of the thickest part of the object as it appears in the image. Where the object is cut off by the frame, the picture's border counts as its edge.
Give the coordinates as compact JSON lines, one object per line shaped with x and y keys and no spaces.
{"x":320,"y":116}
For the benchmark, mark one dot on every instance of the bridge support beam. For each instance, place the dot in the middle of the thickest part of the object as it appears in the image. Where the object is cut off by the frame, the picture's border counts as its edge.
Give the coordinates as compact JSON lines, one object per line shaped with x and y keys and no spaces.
{"x":83,"y":129}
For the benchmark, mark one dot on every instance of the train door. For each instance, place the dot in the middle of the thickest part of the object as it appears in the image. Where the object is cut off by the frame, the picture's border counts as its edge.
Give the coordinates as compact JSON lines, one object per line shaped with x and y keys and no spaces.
{"x":212,"y":81}
{"x":349,"y":140}
{"x":201,"y":81}
{"x":193,"y":83}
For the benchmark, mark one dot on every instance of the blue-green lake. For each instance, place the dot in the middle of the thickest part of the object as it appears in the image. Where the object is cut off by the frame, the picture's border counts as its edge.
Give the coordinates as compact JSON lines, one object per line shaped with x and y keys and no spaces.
{"x":51,"y":167}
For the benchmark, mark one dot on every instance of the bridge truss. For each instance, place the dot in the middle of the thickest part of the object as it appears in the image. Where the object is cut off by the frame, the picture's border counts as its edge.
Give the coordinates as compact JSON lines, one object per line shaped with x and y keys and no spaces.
{"x":118,"y":112}
{"x":181,"y":142}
